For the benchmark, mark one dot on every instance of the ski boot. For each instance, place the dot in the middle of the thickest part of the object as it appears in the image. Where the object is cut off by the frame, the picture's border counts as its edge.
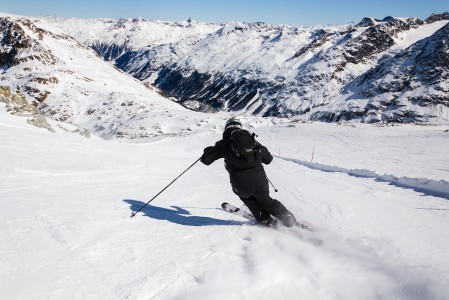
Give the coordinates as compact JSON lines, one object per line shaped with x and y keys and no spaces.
{"x":270,"y":222}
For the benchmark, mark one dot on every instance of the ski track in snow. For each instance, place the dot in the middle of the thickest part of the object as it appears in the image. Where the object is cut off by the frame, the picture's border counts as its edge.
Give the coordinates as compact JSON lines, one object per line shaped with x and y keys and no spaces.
{"x":67,"y":233}
{"x":423,"y":185}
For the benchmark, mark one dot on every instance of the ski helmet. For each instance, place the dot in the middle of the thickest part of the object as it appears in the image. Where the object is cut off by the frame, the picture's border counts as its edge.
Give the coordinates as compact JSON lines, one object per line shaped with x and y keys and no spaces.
{"x":233,"y":122}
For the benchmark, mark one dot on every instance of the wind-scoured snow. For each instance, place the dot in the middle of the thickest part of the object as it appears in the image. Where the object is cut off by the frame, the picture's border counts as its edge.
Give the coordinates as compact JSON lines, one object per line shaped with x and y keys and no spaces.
{"x":67,"y":233}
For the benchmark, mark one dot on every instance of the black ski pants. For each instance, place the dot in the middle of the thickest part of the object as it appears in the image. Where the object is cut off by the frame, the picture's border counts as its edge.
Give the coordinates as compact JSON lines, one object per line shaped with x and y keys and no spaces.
{"x":262,"y":205}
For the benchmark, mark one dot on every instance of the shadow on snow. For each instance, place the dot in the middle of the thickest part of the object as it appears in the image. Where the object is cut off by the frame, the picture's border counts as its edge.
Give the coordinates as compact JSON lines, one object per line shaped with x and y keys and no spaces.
{"x":176,"y":215}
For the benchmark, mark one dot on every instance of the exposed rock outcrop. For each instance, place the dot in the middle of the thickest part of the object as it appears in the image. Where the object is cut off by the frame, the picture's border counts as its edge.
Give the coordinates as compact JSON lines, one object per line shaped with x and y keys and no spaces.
{"x":16,"y":104}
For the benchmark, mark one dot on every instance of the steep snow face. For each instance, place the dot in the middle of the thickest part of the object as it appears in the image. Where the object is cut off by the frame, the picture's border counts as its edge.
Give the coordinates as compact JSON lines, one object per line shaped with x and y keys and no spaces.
{"x":67,"y":81}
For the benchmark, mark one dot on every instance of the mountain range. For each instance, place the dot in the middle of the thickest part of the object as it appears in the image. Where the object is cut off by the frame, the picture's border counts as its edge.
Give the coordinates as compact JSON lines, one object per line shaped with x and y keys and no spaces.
{"x":78,"y":71}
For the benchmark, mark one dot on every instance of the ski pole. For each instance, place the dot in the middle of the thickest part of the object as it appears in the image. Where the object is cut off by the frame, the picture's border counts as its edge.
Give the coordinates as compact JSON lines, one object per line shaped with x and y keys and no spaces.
{"x":275,"y":189}
{"x":134,"y":213}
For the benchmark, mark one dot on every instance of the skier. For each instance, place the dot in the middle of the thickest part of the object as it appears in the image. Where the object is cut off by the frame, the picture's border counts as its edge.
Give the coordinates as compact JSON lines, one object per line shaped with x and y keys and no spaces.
{"x":243,"y":157}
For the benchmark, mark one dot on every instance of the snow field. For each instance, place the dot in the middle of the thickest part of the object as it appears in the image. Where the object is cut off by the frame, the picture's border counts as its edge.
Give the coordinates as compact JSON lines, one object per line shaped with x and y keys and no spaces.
{"x":67,"y":233}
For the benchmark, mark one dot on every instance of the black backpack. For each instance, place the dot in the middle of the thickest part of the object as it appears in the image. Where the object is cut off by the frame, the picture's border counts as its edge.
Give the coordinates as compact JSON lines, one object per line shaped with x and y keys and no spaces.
{"x":244,"y":145}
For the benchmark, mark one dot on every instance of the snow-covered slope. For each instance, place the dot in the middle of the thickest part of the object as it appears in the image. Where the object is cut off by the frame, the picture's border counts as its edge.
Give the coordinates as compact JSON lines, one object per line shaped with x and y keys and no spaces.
{"x":69,"y":82}
{"x":66,"y":231}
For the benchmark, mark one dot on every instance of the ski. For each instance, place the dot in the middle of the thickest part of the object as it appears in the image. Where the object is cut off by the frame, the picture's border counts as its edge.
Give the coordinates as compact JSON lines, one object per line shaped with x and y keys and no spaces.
{"x":247,"y":215}
{"x":237,"y":211}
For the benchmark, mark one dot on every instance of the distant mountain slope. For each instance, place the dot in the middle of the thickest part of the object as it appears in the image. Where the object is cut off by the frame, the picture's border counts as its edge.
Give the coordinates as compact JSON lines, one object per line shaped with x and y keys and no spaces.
{"x":112,"y":38}
{"x":410,"y":86}
{"x":284,"y":71}
{"x":318,"y":73}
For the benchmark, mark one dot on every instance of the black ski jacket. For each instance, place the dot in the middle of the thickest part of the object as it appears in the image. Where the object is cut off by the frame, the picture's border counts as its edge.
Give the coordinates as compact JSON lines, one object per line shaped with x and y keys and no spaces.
{"x":246,"y":176}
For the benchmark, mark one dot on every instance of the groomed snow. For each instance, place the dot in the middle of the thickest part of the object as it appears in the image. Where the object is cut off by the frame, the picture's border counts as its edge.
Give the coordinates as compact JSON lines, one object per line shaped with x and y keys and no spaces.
{"x":66,"y":230}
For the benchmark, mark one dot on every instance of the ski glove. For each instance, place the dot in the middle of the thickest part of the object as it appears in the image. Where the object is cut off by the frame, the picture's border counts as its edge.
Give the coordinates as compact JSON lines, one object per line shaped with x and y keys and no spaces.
{"x":205,"y":151}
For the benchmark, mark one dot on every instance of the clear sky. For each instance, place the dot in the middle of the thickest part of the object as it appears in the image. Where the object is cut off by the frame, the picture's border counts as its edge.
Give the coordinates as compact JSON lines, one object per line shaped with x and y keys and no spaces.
{"x":292,"y":12}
